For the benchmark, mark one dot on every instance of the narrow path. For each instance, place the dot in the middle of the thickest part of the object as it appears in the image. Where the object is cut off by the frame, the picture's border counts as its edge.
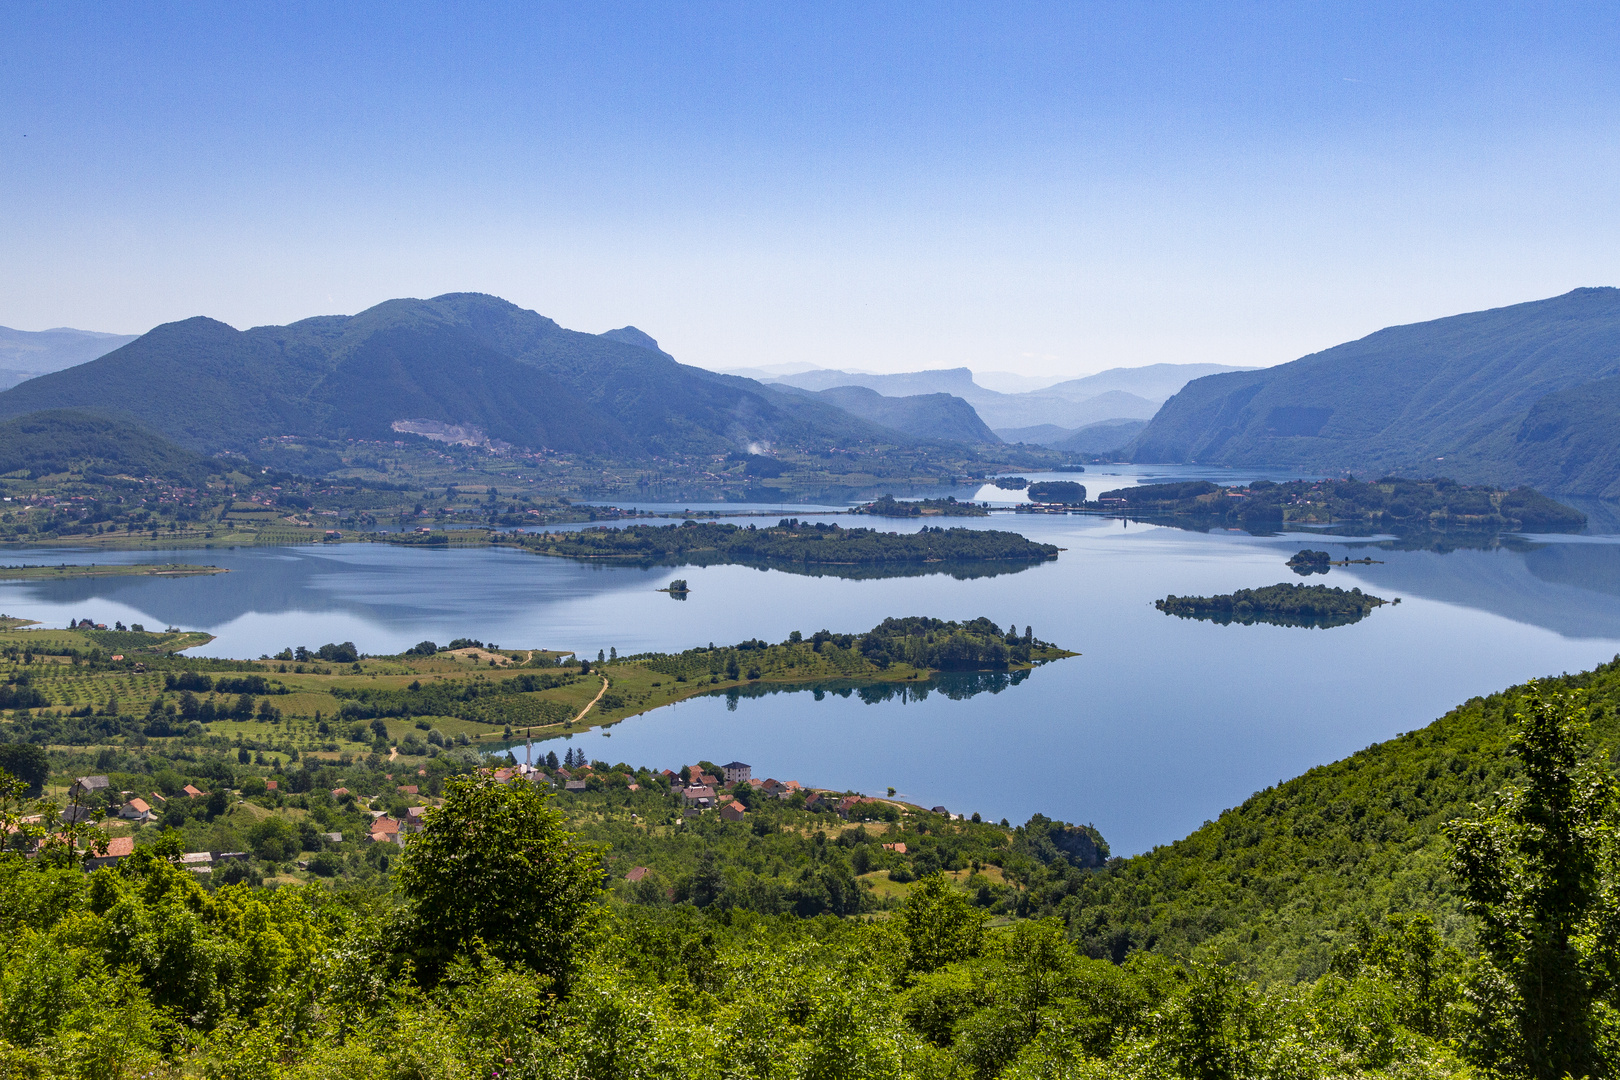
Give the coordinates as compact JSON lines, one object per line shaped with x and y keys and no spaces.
{"x":594,"y":700}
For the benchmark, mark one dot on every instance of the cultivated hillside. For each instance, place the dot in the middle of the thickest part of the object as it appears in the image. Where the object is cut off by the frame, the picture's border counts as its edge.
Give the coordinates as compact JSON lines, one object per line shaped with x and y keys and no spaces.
{"x":463,"y":359}
{"x":1514,"y":395}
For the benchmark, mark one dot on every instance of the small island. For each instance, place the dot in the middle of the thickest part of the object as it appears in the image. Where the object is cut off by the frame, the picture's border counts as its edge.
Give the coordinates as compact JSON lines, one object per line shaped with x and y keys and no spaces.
{"x":889,"y":506}
{"x":791,"y":545}
{"x":1320,"y":606}
{"x":1308,"y":562}
{"x":677,"y":589}
{"x":1058,"y":492}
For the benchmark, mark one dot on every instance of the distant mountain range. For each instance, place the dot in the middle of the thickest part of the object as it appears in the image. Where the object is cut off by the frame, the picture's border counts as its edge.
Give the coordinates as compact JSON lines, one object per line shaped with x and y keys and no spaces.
{"x":463,"y":361}
{"x":922,"y":416}
{"x":1528,"y":394}
{"x":27,"y":353}
{"x":1119,"y":393}
{"x":1102,"y":437}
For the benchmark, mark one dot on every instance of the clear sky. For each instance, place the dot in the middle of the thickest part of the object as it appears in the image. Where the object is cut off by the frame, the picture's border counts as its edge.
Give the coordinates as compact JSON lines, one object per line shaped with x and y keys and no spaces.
{"x":1044,"y":188}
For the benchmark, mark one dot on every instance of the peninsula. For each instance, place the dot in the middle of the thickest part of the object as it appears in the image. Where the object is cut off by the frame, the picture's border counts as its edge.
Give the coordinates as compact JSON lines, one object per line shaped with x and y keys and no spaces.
{"x":333,"y":700}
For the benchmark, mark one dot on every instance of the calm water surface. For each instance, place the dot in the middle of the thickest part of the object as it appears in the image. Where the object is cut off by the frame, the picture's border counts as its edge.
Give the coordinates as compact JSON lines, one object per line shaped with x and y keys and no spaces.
{"x":1157,"y":726}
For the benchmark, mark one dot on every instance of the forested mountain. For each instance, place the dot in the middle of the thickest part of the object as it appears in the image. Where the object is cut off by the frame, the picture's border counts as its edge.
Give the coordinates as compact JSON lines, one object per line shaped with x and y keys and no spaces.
{"x":1517,"y":395}
{"x":462,"y":359}
{"x":922,"y":416}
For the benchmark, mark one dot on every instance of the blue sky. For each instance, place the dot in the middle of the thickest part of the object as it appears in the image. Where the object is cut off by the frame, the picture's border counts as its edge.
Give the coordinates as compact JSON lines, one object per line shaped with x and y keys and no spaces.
{"x":1045,"y":188}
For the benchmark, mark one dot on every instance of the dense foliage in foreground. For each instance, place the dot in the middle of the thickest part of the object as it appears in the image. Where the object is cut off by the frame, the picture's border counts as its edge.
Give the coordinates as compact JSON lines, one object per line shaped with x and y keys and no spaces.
{"x":1284,"y":604}
{"x":496,"y":954}
{"x":492,"y":957}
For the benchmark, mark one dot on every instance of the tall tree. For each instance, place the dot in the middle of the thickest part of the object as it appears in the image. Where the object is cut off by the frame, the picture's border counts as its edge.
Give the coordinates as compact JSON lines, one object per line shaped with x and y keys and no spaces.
{"x":1532,"y":871}
{"x":495,"y":866}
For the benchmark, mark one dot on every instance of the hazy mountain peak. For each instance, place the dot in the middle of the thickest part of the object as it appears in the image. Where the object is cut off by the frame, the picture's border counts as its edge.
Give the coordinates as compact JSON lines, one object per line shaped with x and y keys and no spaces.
{"x":632,"y":336}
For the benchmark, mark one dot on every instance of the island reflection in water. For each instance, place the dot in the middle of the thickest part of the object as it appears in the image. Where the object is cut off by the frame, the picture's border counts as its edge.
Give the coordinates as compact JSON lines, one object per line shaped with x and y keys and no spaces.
{"x":952,"y":685}
{"x":955,"y":685}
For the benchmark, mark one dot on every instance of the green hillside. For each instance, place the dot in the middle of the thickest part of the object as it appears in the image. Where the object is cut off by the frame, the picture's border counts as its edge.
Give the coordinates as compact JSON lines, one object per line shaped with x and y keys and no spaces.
{"x":1455,"y":395}
{"x":60,"y":441}
{"x":461,"y":359}
{"x":1283,"y":882}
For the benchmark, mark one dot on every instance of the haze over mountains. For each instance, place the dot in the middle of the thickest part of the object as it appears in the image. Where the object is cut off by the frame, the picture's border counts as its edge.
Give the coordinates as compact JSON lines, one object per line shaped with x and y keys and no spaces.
{"x":1523,"y":394}
{"x":27,"y":353}
{"x":1120,"y":393}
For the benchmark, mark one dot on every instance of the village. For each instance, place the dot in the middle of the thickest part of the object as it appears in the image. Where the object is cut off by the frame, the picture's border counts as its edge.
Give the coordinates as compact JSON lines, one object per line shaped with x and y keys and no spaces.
{"x":125,"y":819}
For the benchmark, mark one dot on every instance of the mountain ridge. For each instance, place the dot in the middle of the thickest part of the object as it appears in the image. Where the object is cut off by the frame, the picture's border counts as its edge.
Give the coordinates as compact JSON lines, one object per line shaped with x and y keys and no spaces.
{"x":1449,"y":395}
{"x":458,"y":358}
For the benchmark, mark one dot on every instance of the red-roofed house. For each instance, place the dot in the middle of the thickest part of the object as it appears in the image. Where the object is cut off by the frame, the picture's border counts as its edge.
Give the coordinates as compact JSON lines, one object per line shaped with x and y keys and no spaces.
{"x":897,"y":848}
{"x":117,"y":848}
{"x":699,"y":795}
{"x":407,"y":789}
{"x":732,"y":811}
{"x":636,"y":874}
{"x":192,"y":793}
{"x":385,"y":828}
{"x":136,"y":810}
{"x":339,"y":792}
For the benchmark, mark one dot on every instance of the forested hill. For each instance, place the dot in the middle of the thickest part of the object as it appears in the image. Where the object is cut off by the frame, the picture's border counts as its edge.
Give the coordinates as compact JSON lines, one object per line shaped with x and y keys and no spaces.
{"x":1510,"y":396}
{"x":1289,"y":878}
{"x":462,"y":359}
{"x":61,"y":441}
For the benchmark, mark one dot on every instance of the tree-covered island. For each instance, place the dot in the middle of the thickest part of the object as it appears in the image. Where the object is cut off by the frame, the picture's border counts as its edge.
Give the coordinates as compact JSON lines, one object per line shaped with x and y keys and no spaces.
{"x":889,"y":506}
{"x":1283,"y":605}
{"x":789,"y":544}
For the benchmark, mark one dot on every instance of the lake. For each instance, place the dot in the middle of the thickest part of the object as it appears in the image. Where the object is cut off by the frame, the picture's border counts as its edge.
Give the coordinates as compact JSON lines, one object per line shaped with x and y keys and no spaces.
{"x":1159,"y":725}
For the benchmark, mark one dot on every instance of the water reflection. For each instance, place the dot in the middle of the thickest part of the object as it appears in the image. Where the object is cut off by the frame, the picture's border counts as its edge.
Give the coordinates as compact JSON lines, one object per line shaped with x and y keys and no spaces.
{"x":954,"y":685}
